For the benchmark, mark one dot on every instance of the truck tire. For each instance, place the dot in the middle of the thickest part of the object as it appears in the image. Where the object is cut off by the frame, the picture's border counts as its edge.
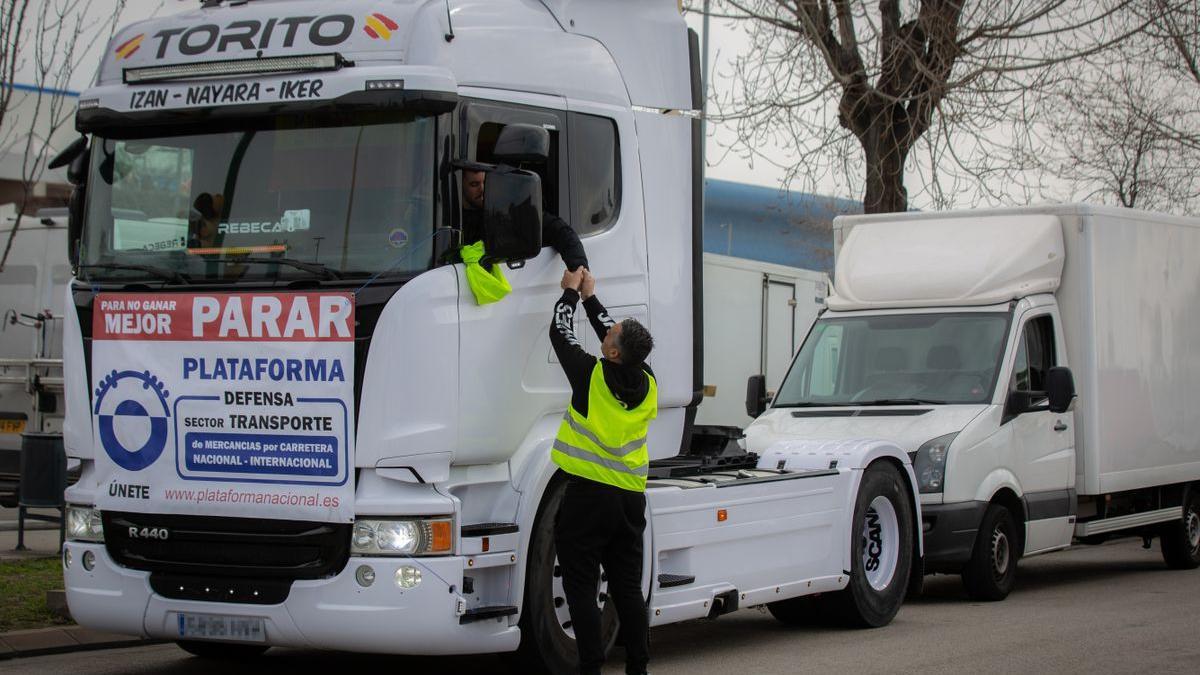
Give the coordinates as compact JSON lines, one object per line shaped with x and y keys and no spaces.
{"x":1181,"y":538}
{"x":221,"y":651}
{"x":881,"y":542}
{"x":547,"y":641}
{"x":992,"y":570}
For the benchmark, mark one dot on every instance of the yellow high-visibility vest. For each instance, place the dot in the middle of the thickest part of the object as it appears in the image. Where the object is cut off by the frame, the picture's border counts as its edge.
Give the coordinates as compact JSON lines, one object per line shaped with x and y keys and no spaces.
{"x":487,"y":285}
{"x":609,"y":445}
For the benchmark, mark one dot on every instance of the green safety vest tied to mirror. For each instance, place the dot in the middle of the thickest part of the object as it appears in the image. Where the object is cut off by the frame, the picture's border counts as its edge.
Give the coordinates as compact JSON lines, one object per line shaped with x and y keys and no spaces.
{"x":488,"y":286}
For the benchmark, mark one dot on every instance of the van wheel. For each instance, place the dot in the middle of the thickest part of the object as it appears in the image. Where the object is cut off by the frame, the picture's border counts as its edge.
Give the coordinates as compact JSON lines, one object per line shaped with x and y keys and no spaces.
{"x":221,"y":651}
{"x":547,"y":639}
{"x":881,"y":541}
{"x":992,"y":570}
{"x":1181,"y":538}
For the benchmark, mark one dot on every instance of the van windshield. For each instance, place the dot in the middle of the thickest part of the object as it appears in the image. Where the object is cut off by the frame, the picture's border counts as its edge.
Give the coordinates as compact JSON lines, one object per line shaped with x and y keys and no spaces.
{"x":897,"y":359}
{"x":285,"y":198}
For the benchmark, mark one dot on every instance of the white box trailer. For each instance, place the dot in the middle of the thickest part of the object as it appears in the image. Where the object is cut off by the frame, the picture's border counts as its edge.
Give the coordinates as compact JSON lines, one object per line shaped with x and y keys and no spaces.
{"x":32,"y":298}
{"x":756,"y":314}
{"x":955,"y":334}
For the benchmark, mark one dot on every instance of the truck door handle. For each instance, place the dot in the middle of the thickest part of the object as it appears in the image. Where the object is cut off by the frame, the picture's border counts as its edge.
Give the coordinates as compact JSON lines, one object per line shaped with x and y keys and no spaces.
{"x":1059,"y":426}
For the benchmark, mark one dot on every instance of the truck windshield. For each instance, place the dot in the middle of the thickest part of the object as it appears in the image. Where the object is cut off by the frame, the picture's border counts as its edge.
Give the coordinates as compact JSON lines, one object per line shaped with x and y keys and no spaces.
{"x":896,"y":360}
{"x":285,"y":198}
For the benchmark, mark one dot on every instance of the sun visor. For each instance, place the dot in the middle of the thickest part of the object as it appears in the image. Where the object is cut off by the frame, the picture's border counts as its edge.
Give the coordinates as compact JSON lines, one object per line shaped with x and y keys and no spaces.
{"x":948,"y":262}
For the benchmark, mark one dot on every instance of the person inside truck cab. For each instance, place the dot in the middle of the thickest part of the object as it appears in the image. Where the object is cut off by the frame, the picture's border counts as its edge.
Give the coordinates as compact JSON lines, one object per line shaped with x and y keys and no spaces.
{"x":490,"y":286}
{"x":204,"y":220}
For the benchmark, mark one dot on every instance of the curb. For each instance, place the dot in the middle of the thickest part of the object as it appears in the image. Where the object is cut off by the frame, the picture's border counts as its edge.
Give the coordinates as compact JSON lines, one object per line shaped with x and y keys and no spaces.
{"x":64,"y":639}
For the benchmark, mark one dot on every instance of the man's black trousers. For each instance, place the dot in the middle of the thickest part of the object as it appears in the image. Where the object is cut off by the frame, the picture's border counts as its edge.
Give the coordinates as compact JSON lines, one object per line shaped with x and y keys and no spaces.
{"x":602,"y":525}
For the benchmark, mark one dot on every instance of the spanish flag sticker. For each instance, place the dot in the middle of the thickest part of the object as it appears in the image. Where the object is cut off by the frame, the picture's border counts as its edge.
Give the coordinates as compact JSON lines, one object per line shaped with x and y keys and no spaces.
{"x":379,"y":26}
{"x":127,"y":48}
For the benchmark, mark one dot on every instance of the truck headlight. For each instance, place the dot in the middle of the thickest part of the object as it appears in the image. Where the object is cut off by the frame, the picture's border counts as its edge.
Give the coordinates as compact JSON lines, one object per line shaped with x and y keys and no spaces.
{"x":402,"y":536}
{"x":84,"y":524}
{"x":930,"y":463}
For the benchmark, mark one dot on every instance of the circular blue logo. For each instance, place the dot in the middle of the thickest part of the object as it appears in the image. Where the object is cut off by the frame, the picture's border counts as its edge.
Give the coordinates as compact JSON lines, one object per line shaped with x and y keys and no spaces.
{"x":132,"y":418}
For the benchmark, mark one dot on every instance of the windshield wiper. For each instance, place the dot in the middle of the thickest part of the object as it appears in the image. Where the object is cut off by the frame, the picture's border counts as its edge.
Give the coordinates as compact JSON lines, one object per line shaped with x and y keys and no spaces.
{"x":900,"y":401}
{"x":314,"y":267}
{"x":159,"y":272}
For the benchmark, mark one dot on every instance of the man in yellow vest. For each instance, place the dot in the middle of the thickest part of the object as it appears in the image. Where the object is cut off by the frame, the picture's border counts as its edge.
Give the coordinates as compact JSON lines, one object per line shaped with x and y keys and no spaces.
{"x":601,"y":446}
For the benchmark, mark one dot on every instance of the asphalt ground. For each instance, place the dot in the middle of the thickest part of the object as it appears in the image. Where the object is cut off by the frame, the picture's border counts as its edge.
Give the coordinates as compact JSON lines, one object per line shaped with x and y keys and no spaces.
{"x":1105,"y":609}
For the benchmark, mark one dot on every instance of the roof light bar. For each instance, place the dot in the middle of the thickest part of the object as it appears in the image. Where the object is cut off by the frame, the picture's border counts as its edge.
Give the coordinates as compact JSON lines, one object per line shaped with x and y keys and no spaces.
{"x":271,"y":64}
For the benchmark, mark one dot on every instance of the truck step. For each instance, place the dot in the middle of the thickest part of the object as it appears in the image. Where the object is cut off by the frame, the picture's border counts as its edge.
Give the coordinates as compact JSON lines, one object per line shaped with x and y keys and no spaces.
{"x":672,"y":580}
{"x":488,"y":529}
{"x":482,"y":613}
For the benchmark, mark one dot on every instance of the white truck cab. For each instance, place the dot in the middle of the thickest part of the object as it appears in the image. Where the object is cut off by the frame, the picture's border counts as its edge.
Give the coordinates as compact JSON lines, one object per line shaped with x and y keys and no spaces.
{"x":956,"y":336}
{"x":298,"y":426}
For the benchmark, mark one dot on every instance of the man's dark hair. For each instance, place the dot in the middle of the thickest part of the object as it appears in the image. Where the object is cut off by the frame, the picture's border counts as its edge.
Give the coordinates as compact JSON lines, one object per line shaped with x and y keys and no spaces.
{"x":634,"y":342}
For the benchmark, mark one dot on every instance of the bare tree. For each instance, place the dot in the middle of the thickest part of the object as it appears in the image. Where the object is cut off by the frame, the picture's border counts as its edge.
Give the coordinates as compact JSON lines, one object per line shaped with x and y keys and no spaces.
{"x":851,"y":87}
{"x":52,"y":44}
{"x":12,"y":30}
{"x":1112,"y":145}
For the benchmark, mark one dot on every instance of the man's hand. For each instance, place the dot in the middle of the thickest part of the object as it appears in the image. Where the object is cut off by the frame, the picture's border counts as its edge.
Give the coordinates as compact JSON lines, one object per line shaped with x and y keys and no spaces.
{"x":587,"y":288}
{"x":572,"y":280}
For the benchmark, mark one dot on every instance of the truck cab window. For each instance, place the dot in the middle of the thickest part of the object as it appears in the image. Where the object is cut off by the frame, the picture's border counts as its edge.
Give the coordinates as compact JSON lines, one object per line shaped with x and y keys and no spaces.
{"x":1035,"y":355}
{"x":485,"y":120}
{"x":595,"y":173}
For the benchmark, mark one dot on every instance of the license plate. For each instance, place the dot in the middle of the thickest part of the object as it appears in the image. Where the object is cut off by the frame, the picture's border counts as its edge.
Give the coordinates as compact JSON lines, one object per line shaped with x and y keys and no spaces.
{"x":215,"y":627}
{"x":11,"y":426}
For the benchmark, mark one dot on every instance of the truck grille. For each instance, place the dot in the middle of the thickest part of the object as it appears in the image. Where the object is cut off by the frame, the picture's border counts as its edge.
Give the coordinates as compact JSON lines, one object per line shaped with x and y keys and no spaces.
{"x":206,"y":546}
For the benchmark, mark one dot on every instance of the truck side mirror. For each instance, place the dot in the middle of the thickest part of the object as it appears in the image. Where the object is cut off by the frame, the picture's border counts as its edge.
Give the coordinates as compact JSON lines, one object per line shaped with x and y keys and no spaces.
{"x":1060,"y":389}
{"x":521,"y":143}
{"x":756,"y":395}
{"x":512,"y":215}
{"x":77,"y":174}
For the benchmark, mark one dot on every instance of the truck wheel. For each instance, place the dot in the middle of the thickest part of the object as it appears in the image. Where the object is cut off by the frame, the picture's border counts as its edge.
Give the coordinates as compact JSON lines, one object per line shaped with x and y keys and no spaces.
{"x":881,"y":541}
{"x":992,"y":569}
{"x":1181,"y":538}
{"x":547,"y":638}
{"x":221,"y":651}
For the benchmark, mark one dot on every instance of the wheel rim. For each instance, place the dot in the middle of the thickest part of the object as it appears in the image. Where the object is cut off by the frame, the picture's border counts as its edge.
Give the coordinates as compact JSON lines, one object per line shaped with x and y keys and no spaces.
{"x":562,"y":612}
{"x":1192,"y":523}
{"x":1001,"y":553}
{"x":880,"y":543}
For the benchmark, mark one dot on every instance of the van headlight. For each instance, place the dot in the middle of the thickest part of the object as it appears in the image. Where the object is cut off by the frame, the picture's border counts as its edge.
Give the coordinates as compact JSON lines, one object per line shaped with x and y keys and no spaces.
{"x":930,"y":463}
{"x":84,"y":524}
{"x":402,"y":536}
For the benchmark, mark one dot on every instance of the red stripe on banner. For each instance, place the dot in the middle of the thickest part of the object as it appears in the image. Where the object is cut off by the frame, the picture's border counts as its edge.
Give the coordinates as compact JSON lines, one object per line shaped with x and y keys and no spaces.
{"x":224,"y":317}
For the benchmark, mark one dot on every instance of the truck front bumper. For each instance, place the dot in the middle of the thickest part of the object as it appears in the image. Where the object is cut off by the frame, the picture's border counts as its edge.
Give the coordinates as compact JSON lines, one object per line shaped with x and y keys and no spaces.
{"x":334,"y":613}
{"x":950,"y":531}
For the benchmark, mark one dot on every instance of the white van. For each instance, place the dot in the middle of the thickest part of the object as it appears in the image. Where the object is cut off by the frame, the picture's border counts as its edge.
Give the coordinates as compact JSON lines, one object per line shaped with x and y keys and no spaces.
{"x":956,"y":336}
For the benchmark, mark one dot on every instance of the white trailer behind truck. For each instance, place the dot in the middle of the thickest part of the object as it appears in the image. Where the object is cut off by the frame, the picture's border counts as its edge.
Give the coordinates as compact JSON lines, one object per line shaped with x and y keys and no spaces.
{"x":955,"y":335}
{"x":298,"y":427}
{"x":31,"y":323}
{"x":757,"y":314}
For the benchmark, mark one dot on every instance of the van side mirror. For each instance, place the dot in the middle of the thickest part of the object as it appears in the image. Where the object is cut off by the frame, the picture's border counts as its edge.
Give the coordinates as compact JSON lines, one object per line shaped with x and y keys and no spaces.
{"x":521,"y":143}
{"x":512,"y":215}
{"x":756,"y":395}
{"x":1060,"y":389}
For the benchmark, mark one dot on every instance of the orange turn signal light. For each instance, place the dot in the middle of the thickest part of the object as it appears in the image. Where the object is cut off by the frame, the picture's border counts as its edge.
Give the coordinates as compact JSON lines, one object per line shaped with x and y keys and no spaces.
{"x":440,"y":540}
{"x":722,"y":515}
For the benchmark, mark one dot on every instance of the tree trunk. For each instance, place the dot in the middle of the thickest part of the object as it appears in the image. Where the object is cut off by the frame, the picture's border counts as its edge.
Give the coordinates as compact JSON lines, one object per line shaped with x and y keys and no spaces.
{"x":885,"y":157}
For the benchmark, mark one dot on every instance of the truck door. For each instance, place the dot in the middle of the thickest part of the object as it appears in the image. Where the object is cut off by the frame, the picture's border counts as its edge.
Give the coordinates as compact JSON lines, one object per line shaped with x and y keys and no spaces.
{"x":1044,"y":444}
{"x":505,"y":350}
{"x":778,"y":329}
